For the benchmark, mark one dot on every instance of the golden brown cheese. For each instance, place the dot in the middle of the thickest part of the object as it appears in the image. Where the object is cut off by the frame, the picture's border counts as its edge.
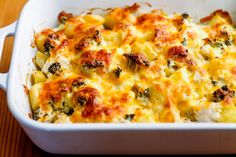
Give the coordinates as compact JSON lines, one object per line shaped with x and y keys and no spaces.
{"x":128,"y":66}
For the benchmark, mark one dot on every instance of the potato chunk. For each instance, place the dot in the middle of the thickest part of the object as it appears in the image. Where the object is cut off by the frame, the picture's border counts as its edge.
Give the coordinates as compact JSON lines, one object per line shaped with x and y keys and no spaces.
{"x":34,"y":95}
{"x":40,"y":59}
{"x":38,"y":77}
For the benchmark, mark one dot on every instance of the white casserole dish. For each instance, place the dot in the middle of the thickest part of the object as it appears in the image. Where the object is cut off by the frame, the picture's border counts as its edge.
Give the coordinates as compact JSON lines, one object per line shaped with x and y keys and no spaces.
{"x":105,"y":138}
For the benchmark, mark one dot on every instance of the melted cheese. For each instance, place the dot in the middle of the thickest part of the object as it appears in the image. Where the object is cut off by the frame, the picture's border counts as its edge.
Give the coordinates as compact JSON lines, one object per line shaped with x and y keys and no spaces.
{"x":128,"y":66}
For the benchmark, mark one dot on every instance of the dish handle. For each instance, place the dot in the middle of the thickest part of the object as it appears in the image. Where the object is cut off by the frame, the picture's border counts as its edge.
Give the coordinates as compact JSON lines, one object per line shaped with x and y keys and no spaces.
{"x":5,"y":32}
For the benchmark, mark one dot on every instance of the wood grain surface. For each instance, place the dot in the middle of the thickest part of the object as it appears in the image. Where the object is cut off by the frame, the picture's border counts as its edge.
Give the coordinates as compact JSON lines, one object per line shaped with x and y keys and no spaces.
{"x":13,"y":140}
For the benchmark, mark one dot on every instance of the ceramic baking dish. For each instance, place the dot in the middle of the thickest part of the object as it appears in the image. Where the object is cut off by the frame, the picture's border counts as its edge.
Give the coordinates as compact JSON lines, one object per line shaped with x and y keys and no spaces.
{"x":105,"y":138}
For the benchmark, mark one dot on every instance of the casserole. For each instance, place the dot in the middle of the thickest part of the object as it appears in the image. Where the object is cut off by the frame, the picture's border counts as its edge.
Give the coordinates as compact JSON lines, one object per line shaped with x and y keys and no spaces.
{"x":105,"y":138}
{"x":130,"y":67}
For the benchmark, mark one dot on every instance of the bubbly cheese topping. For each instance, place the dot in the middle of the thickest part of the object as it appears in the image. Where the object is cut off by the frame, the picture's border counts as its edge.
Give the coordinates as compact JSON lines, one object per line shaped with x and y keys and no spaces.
{"x":127,"y":66}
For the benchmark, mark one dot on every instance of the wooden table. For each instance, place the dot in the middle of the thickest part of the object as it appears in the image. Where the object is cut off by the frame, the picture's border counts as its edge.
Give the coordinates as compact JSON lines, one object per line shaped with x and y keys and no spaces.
{"x":13,"y":140}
